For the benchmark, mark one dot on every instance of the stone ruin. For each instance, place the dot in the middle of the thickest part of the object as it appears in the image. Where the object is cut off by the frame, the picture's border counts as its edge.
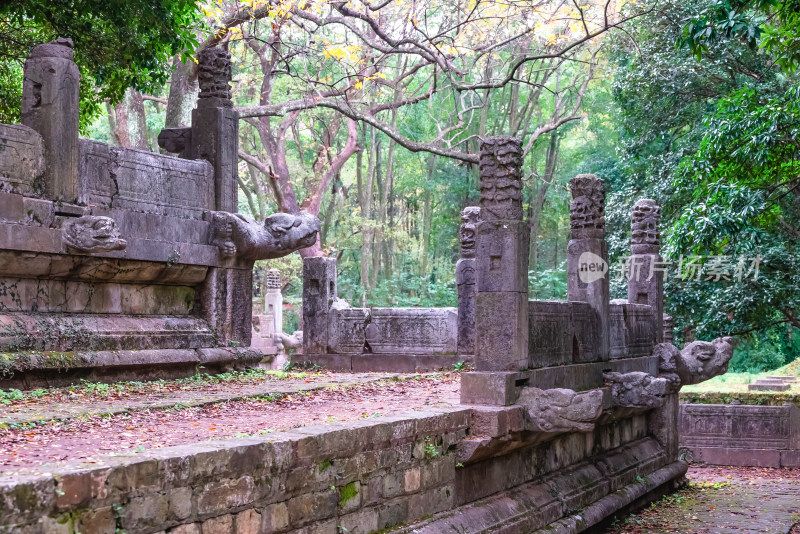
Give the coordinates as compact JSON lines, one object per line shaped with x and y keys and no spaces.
{"x":126,"y":263}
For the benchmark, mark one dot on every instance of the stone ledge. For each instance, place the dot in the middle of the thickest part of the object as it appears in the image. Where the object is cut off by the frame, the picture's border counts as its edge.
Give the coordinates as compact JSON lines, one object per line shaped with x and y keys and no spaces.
{"x":387,"y":363}
{"x":48,"y":369}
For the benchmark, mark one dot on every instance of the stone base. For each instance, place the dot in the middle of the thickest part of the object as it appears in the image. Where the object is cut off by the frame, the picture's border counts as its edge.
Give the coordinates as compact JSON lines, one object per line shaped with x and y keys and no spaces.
{"x":387,"y":363}
{"x":54,"y":369}
{"x":744,"y":457}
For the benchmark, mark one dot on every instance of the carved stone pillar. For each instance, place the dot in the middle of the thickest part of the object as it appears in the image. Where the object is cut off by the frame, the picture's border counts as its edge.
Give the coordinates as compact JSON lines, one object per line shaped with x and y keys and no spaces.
{"x":587,"y":254}
{"x":669,"y":326}
{"x":50,"y":106}
{"x":465,"y":281}
{"x":319,"y":292}
{"x":215,"y":126}
{"x":273,"y":300}
{"x":501,"y":260}
{"x":645,"y":277}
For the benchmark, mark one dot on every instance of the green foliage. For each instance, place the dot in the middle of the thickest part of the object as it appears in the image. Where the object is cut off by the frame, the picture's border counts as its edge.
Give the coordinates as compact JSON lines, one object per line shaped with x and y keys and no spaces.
{"x":120,"y":44}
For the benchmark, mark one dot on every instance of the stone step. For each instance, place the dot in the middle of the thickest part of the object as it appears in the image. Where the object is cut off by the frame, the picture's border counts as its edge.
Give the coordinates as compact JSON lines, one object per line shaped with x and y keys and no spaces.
{"x":768,"y":387}
{"x":783,"y":378}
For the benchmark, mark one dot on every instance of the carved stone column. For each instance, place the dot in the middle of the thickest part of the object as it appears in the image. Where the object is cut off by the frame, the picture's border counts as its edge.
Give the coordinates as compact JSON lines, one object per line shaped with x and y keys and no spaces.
{"x":465,"y":281}
{"x":645,"y":277}
{"x":319,"y":292}
{"x":215,"y":126}
{"x":50,"y":106}
{"x":501,"y":260}
{"x":273,"y":300}
{"x":587,"y":254}
{"x":669,"y":326}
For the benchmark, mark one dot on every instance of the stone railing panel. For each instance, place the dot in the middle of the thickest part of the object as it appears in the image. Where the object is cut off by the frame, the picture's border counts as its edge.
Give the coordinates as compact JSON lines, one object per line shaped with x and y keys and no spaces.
{"x":144,"y":181}
{"x":413,"y":330}
{"x":22,"y":162}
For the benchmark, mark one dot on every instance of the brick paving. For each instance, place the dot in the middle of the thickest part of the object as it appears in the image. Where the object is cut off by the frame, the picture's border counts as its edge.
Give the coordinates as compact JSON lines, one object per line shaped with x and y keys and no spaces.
{"x":745,"y":500}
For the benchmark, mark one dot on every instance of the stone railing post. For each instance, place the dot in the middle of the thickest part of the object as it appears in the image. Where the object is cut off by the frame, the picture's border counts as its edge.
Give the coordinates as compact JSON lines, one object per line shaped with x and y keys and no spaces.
{"x":465,"y":281}
{"x":273,"y":300}
{"x":319,"y":292}
{"x":501,"y":260}
{"x":50,"y":107}
{"x":645,"y":275}
{"x":215,"y":126}
{"x":587,"y":253}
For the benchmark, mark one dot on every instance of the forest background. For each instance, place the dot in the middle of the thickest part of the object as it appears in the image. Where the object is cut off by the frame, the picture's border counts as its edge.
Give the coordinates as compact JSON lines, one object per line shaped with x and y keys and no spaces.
{"x":369,"y":115}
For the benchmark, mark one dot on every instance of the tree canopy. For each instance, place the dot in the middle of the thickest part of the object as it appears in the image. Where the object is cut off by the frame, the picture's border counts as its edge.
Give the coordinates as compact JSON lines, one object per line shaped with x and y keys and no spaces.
{"x":119,"y":44}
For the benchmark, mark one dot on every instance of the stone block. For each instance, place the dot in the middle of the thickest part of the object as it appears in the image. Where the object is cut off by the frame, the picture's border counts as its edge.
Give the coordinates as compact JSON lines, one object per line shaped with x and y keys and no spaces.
{"x":180,"y":503}
{"x":190,"y":528}
{"x":736,"y":456}
{"x":497,"y":389}
{"x":50,"y":107}
{"x":617,"y":347}
{"x":347,"y":328}
{"x":646,"y":287}
{"x":550,"y":341}
{"x":22,"y":163}
{"x":217,"y":497}
{"x":578,"y":486}
{"x":275,"y":517}
{"x":412,"y":330}
{"x":312,"y":507}
{"x":790,"y":458}
{"x":501,"y":332}
{"x":501,"y":260}
{"x":247,"y":522}
{"x":148,"y":511}
{"x":393,"y":513}
{"x":215,"y":135}
{"x":319,"y":292}
{"x":360,"y":522}
{"x":97,"y":521}
{"x":588,"y":281}
{"x":218,"y":525}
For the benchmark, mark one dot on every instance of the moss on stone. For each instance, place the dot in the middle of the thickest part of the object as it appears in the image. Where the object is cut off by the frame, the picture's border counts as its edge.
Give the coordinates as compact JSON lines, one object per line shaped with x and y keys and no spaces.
{"x":347,"y":493}
{"x":325,"y":464}
{"x":755,"y":398}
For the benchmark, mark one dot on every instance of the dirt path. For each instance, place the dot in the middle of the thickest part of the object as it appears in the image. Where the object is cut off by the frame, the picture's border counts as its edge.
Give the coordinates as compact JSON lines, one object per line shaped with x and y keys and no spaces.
{"x":91,"y":437}
{"x":724,"y":500}
{"x":96,"y":399}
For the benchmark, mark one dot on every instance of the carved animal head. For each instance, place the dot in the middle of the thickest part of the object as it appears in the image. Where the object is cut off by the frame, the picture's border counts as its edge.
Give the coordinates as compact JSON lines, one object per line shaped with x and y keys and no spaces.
{"x":701,"y":360}
{"x":92,"y":233}
{"x":292,"y":232}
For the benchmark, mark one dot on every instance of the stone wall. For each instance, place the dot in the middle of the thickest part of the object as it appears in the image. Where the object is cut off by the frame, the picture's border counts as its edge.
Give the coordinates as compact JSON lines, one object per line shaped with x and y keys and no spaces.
{"x":358,"y":477}
{"x":339,"y":337}
{"x":740,"y":434}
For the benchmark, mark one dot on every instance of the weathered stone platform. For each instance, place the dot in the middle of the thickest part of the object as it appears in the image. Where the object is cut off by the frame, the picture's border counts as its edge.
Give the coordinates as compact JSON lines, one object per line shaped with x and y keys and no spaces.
{"x":363,"y":476}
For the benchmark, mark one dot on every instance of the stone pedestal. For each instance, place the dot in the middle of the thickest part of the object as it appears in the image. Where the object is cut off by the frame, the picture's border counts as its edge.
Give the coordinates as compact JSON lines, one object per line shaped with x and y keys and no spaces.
{"x":587,"y":254}
{"x":319,"y":292}
{"x":50,"y":106}
{"x":645,"y":274}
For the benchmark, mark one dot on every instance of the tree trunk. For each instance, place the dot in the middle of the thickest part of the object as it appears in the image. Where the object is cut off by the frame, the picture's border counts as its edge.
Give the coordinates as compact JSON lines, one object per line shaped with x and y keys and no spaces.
{"x":128,"y":125}
{"x":539,"y":196}
{"x":183,"y":91}
{"x":427,"y":215}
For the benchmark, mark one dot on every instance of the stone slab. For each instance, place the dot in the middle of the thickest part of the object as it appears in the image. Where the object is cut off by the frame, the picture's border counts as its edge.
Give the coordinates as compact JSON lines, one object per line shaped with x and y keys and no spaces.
{"x":22,"y":162}
{"x":736,"y":456}
{"x":736,"y":426}
{"x":413,"y":330}
{"x":144,"y":181}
